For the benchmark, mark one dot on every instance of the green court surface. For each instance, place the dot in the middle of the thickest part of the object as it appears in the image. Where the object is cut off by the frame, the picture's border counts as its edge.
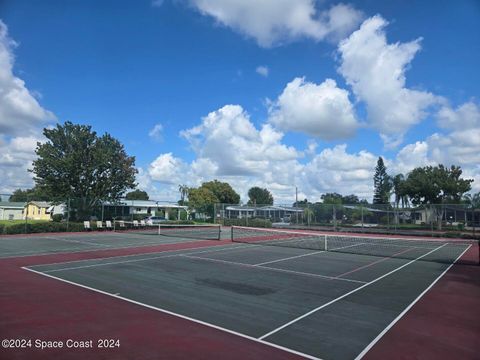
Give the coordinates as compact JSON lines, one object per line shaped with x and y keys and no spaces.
{"x":306,"y":301}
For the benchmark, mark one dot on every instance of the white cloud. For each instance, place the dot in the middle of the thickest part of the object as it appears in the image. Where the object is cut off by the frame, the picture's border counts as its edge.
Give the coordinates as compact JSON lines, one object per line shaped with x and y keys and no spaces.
{"x":16,"y":156}
{"x":20,"y":112}
{"x":156,"y":132}
{"x":376,"y":72}
{"x":21,"y":118}
{"x":262,"y":70}
{"x":323,"y":111}
{"x":336,"y":170}
{"x":167,"y":169}
{"x":409,"y":157}
{"x":466,"y":116}
{"x":273,"y":22}
{"x":231,"y":142}
{"x":460,"y":146}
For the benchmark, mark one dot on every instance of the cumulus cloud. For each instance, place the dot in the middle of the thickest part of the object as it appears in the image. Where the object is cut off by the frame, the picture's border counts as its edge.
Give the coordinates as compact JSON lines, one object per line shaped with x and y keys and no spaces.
{"x":167,"y":169}
{"x":323,"y":111}
{"x":336,"y":170}
{"x":376,"y":70}
{"x":21,"y":118}
{"x":156,"y":133}
{"x":16,"y":156}
{"x":231,"y":142}
{"x":262,"y":70}
{"x":20,"y":112}
{"x":460,"y":144}
{"x":466,"y":116}
{"x":273,"y":22}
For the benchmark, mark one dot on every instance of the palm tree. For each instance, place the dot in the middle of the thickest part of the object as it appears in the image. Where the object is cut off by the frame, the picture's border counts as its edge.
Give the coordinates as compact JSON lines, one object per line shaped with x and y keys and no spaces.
{"x":398,"y":190}
{"x":398,"y":182}
{"x":183,"y":190}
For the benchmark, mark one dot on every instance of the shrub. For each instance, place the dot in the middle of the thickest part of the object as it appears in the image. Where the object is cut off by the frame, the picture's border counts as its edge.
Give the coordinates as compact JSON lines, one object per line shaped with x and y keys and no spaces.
{"x":183,"y":215}
{"x":42,"y":227}
{"x":57,"y":217}
{"x":262,"y":223}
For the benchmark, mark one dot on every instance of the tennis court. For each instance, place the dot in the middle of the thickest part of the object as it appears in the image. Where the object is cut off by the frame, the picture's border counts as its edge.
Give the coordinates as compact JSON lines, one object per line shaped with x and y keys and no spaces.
{"x":301,"y":292}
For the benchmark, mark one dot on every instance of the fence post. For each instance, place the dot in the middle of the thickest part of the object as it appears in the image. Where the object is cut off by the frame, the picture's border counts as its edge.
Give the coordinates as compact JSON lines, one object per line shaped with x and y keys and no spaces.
{"x":334,"y":217}
{"x":68,"y":212}
{"x":361,"y":211}
{"x":26,"y":216}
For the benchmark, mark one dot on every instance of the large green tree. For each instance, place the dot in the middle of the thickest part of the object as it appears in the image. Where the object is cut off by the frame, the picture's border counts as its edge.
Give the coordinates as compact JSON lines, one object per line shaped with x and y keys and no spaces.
{"x":436,"y":185}
{"x":74,"y":162}
{"x":35,"y":193}
{"x":137,"y":195}
{"x":222,"y":191}
{"x":259,"y":196}
{"x":203,"y":198}
{"x":382,"y":184}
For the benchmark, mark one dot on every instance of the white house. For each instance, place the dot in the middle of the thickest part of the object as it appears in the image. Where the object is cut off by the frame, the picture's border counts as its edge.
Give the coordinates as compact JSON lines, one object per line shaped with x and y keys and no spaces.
{"x":11,"y":210}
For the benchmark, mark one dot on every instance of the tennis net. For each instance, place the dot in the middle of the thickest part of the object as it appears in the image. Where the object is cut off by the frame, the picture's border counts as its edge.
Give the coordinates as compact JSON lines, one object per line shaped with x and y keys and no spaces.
{"x":437,"y":250}
{"x":188,"y":231}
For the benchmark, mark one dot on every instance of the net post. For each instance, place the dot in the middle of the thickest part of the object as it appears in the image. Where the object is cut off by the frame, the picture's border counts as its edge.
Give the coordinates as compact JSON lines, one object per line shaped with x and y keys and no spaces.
{"x":478,"y":248}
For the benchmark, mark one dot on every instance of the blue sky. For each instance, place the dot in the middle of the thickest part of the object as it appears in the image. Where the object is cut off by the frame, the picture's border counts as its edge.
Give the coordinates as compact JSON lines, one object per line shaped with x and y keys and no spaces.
{"x":309,"y":100}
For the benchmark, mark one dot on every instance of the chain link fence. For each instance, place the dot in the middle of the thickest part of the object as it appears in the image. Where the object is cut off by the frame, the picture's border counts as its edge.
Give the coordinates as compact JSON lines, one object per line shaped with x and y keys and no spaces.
{"x":36,"y":214}
{"x":460,"y":220}
{"x":32,"y":213}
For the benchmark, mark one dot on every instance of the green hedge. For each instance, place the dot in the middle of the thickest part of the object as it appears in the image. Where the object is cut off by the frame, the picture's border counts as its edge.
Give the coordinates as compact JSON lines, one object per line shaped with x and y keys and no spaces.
{"x":43,"y":227}
{"x":261,"y":223}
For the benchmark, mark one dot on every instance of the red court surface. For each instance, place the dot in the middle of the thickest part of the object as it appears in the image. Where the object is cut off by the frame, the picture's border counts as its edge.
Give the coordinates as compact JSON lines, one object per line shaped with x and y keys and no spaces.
{"x":443,"y":324}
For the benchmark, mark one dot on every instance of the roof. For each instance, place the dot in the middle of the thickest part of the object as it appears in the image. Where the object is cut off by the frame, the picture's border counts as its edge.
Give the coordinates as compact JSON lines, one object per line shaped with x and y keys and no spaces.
{"x":42,"y":204}
{"x":12,"y":205}
{"x":144,"y":204}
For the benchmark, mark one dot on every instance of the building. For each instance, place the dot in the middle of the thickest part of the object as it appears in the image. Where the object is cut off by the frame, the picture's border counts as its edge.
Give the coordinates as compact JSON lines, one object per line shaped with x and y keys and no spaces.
{"x":125,"y":208}
{"x":11,"y":210}
{"x":38,"y":210}
{"x":272,"y":212}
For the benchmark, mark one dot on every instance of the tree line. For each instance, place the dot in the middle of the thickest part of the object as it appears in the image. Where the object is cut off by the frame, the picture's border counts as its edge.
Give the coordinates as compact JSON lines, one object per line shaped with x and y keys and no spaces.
{"x":76,"y":163}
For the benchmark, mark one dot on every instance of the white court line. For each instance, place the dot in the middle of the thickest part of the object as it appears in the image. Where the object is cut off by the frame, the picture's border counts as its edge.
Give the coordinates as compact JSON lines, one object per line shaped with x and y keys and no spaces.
{"x":177,"y":315}
{"x":271,"y":268}
{"x":299,"y":256}
{"x":345,"y":295}
{"x":379,"y":336}
{"x":74,"y":241}
{"x":289,"y":258}
{"x":138,"y":260}
{"x":66,"y":251}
